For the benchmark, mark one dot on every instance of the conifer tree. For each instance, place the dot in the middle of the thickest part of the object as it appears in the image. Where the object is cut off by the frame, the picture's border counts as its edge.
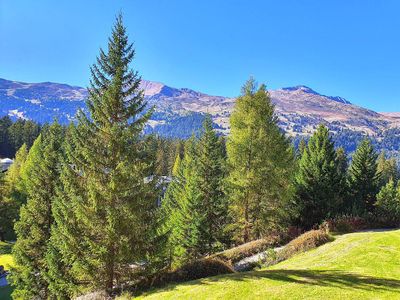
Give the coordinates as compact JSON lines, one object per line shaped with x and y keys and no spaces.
{"x":364,"y":177}
{"x":387,"y":168}
{"x":13,"y":195}
{"x":213,"y":204}
{"x":106,"y":205}
{"x":342,"y":168}
{"x":317,"y":180}
{"x":33,"y":228}
{"x":181,"y":209}
{"x":261,"y":164}
{"x":302,"y":146}
{"x":388,"y":203}
{"x":177,"y":165}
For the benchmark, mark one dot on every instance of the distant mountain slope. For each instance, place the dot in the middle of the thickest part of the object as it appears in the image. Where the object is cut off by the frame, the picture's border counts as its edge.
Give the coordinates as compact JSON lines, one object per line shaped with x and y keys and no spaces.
{"x":180,"y":111}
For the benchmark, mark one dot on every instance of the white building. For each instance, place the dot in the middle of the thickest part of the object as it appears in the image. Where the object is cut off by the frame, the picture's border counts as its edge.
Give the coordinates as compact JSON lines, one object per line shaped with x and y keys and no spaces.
{"x":5,"y":163}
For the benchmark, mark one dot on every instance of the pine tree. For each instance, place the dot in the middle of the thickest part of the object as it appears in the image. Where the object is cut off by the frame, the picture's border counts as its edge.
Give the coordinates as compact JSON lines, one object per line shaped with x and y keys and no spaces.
{"x":181,"y":209}
{"x":318,"y":180}
{"x":342,"y":168}
{"x":301,"y":148}
{"x":33,"y":228}
{"x":162,"y":161}
{"x":364,"y":178}
{"x":13,"y":195}
{"x":261,"y":164}
{"x":387,"y":168}
{"x":6,"y":148}
{"x":388,"y":203}
{"x":213,"y":204}
{"x":105,"y":208}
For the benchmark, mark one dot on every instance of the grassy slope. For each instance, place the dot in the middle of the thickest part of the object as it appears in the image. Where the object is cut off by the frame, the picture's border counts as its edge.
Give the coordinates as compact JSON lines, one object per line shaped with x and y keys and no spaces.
{"x":355,"y":266}
{"x":6,"y":261}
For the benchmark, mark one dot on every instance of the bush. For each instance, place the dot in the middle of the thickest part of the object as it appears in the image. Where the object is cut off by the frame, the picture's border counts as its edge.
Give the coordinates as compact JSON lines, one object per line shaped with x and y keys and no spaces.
{"x":309,"y":240}
{"x":345,"y":224}
{"x":201,"y":268}
{"x":236,"y":254}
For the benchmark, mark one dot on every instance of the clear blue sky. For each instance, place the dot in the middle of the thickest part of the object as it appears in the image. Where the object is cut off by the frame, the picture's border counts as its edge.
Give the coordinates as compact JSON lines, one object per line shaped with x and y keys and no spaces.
{"x":347,"y":48}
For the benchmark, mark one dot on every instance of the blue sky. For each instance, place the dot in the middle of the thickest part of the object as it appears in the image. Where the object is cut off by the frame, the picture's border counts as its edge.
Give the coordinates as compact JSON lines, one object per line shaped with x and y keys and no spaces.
{"x":347,"y":48}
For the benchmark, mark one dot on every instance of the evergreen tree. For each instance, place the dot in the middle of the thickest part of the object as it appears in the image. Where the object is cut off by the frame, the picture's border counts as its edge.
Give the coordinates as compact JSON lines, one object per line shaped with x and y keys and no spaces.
{"x":261,"y":164}
{"x":33,"y":228}
{"x":302,"y":147}
{"x":342,"y":167}
{"x":318,"y":181}
{"x":213,"y":203}
{"x":162,"y":161}
{"x":387,"y":168}
{"x":106,"y":205}
{"x":177,"y":165}
{"x":181,"y":209}
{"x":6,"y":148}
{"x":13,"y":195}
{"x":364,"y":177}
{"x":388,"y":203}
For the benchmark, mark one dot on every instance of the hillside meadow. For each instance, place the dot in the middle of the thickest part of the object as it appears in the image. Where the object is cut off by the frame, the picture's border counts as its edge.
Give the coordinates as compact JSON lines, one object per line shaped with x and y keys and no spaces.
{"x":363,"y":265}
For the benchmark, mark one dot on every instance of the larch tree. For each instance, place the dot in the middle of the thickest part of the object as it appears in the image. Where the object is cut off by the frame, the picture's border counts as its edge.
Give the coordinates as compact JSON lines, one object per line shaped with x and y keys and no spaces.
{"x":33,"y":227}
{"x":105,"y":210}
{"x":261,"y":162}
{"x":387,"y":168}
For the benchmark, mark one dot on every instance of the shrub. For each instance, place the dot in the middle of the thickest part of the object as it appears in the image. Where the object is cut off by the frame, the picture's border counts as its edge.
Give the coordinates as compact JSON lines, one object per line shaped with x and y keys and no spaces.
{"x":308,"y":240}
{"x":200,"y":268}
{"x":236,"y":254}
{"x":345,"y":224}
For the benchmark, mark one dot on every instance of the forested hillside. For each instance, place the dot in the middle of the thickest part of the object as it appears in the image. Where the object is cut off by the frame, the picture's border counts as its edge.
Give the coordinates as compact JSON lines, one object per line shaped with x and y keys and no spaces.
{"x":180,"y":112}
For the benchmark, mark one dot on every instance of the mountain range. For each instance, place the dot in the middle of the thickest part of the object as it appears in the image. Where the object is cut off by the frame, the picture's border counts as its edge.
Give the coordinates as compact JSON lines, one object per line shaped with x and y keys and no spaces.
{"x":180,"y":111}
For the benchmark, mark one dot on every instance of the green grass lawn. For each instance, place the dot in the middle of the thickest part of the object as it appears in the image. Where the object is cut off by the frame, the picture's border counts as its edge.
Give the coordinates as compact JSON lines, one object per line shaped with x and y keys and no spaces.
{"x":363,"y":265}
{"x":6,"y":261}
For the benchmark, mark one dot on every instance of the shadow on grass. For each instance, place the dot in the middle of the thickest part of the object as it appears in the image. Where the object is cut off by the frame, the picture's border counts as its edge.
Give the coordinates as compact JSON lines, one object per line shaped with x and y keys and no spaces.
{"x":5,"y":247}
{"x":5,"y":293}
{"x":322,"y":278}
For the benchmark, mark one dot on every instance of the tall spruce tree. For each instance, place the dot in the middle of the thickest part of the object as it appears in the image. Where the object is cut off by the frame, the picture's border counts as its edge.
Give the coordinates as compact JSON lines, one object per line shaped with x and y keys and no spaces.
{"x":33,"y":227}
{"x":104,"y":211}
{"x":261,"y":162}
{"x":318,"y":180}
{"x":213,"y":204}
{"x":364,"y":177}
{"x":181,"y":209}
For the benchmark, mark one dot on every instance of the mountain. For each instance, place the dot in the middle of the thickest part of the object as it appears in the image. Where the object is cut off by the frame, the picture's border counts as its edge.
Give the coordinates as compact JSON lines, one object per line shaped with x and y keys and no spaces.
{"x":179,"y":112}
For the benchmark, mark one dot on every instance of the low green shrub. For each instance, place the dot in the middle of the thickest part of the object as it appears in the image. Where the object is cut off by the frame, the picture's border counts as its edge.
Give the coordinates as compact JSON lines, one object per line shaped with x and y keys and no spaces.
{"x":308,"y":240}
{"x":236,"y":254}
{"x":200,"y":268}
{"x":345,"y":224}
